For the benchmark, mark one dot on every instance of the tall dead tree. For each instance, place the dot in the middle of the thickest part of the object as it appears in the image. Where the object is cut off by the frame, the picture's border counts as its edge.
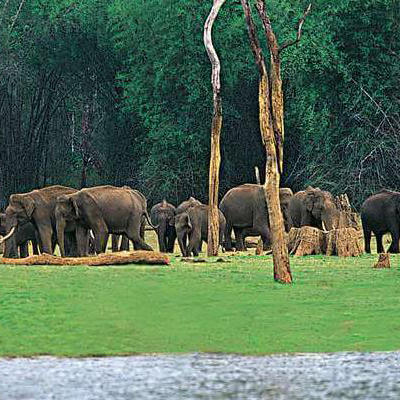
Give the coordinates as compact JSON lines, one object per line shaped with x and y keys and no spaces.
{"x":215,"y":158}
{"x":270,"y":97}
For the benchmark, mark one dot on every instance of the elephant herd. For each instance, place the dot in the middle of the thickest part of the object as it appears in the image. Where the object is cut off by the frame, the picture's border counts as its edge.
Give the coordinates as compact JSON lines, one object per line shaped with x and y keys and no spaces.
{"x":242,"y":210}
{"x":80,"y":221}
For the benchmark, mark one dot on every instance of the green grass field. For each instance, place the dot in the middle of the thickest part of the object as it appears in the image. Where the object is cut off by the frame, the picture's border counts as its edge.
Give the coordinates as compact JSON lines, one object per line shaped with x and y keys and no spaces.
{"x":335,"y":304}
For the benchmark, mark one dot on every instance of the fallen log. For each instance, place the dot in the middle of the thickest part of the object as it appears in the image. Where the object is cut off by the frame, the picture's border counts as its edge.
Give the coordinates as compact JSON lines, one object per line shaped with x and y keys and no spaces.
{"x":119,"y":258}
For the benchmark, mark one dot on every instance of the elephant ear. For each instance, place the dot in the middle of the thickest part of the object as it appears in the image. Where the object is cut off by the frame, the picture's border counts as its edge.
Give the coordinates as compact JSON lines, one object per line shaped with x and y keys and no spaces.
{"x":26,"y":202}
{"x":75,"y":205}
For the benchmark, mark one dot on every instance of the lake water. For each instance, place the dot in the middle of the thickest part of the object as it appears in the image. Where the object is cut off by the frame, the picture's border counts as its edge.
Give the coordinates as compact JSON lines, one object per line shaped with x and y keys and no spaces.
{"x":203,"y":376}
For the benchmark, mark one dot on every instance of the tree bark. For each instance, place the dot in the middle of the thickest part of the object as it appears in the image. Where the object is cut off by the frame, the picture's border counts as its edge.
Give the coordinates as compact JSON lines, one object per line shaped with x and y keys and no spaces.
{"x":215,"y":158}
{"x":270,"y":99}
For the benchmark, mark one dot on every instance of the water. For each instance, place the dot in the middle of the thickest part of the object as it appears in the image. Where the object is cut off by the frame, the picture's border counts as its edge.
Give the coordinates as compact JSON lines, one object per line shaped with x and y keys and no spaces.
{"x":203,"y":376}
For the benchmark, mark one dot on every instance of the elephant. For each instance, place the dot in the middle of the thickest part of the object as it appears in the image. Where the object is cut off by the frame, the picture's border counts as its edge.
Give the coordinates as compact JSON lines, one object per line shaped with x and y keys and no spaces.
{"x":246,"y":212}
{"x":186,"y":204}
{"x":124,"y":246}
{"x":161,"y":215}
{"x":38,"y":207}
{"x":103,"y":209}
{"x":380,"y":213}
{"x":23,"y":234}
{"x":183,"y":207}
{"x":193,"y":223}
{"x":314,"y":207}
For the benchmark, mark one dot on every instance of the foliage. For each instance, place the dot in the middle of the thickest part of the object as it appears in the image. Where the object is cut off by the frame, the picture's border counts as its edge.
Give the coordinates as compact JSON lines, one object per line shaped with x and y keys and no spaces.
{"x":119,"y":92}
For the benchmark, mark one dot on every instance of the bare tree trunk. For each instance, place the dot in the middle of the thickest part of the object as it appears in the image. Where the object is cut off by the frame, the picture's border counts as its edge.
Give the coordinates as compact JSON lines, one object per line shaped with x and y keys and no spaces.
{"x":270,"y":97}
{"x":215,"y":159}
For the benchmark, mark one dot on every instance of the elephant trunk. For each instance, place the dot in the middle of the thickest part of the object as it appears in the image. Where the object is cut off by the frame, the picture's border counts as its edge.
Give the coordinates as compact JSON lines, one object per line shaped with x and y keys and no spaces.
{"x":330,"y":219}
{"x":287,"y":219}
{"x":60,"y":225}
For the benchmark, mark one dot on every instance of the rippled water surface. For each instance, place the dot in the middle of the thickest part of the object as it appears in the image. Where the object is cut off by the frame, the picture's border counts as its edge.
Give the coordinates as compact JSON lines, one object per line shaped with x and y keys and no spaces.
{"x":195,"y":376}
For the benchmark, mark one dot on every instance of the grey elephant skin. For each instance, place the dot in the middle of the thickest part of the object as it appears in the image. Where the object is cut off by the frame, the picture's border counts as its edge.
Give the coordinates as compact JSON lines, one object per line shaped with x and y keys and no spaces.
{"x":193,"y":224}
{"x":38,"y":207}
{"x":246,"y":212}
{"x":23,"y":234}
{"x":103,"y":209}
{"x":314,"y":207}
{"x":380,"y":213}
{"x":161,"y":215}
{"x":190,"y":202}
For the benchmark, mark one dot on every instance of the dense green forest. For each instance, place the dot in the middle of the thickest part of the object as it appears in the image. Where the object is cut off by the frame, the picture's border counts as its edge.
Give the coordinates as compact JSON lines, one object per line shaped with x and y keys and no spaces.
{"x":118,"y":91}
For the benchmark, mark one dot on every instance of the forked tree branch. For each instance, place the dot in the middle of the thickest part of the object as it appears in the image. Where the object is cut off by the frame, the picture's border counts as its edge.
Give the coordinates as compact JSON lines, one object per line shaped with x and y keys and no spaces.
{"x":254,"y":43}
{"x":299,"y":31}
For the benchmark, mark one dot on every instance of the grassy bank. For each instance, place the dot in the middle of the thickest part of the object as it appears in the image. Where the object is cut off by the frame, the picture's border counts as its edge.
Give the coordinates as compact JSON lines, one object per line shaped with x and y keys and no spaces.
{"x":334,"y":304}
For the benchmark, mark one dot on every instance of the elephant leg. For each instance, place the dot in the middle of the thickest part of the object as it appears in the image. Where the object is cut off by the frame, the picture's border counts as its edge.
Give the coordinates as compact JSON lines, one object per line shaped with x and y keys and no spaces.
{"x":239,"y":239}
{"x":265,"y":234}
{"x":194,"y":244}
{"x":133,"y":233}
{"x":182,"y":245}
{"x":114,"y":243}
{"x":161,"y":237}
{"x":82,"y":240}
{"x":379,"y":243}
{"x":367,"y":240}
{"x":124,"y":243}
{"x":228,"y":239}
{"x":100,"y":232}
{"x":394,"y":246}
{"x":143,"y":227}
{"x":46,"y":234}
{"x":35,"y":247}
{"x":23,"y":250}
{"x":71,"y":249}
{"x":171,"y":241}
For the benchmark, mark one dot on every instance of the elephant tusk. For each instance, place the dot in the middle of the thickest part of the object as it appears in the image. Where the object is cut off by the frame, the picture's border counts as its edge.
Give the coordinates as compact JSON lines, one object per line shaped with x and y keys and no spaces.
{"x":324,"y":227}
{"x":91,"y":234}
{"x":8,"y":236}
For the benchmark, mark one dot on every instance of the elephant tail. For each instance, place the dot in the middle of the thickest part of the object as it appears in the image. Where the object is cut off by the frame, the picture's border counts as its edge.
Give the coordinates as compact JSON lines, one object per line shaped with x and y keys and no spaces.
{"x":152,"y":227}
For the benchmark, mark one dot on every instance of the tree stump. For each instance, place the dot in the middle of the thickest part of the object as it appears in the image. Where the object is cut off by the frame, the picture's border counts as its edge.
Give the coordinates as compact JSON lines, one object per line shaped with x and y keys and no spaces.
{"x":383,"y":261}
{"x":347,"y":218}
{"x":259,"y":248}
{"x":344,"y":242}
{"x":306,"y":241}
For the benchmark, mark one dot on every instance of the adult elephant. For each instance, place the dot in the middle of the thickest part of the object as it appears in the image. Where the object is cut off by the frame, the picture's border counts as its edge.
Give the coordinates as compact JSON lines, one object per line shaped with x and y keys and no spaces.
{"x":314,"y":207}
{"x":193,"y":223}
{"x":104,"y":210}
{"x":23,"y":234}
{"x":161,"y":215}
{"x":246,"y":212}
{"x":380,"y":213}
{"x":37,"y":207}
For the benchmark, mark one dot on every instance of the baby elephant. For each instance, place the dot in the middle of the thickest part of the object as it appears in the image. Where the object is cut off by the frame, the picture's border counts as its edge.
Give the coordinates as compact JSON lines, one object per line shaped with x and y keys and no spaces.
{"x":192,"y":224}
